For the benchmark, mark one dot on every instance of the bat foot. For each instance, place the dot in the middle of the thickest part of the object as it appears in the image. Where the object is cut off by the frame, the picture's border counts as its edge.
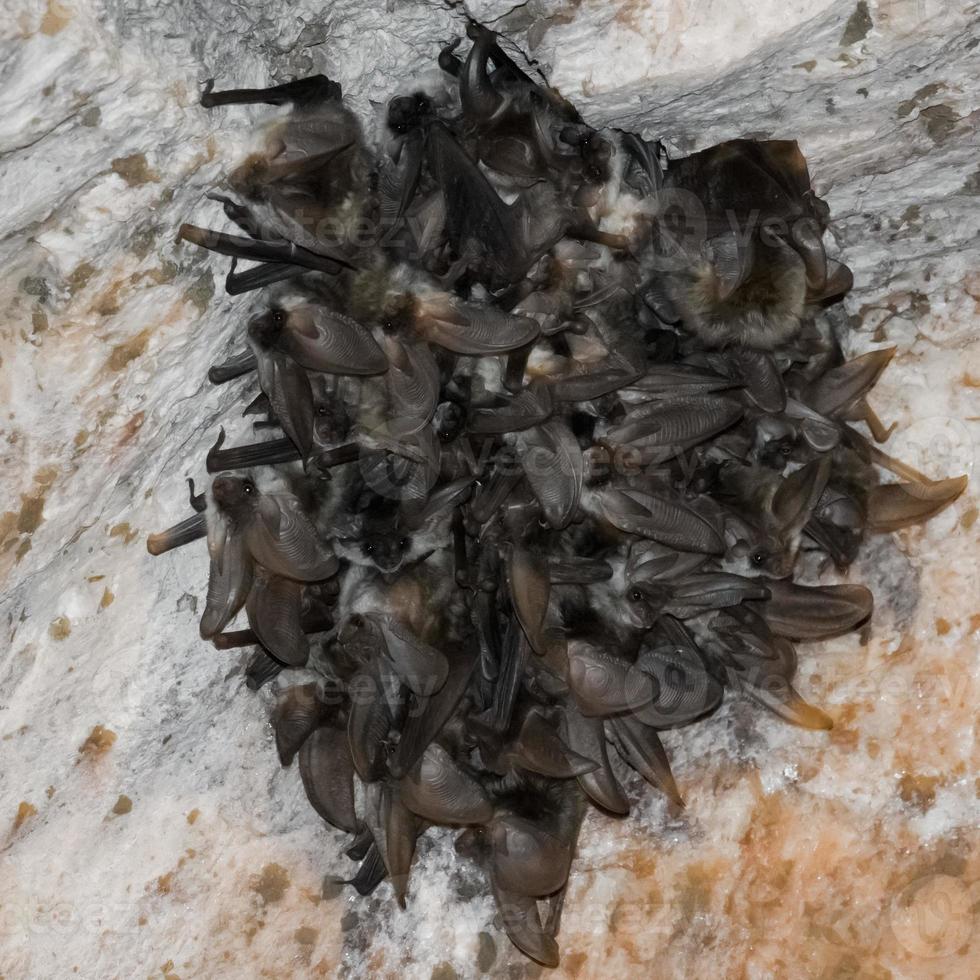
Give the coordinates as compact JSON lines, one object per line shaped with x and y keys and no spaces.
{"x":260,"y":670}
{"x":234,"y":367}
{"x":302,"y":91}
{"x":254,"y":454}
{"x":180,"y":534}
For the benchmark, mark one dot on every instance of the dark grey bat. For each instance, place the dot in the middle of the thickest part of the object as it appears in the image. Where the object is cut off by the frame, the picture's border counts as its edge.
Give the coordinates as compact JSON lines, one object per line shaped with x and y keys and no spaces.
{"x":273,"y":529}
{"x":586,"y":463}
{"x":755,"y":257}
{"x":313,"y":166}
{"x":530,"y":859}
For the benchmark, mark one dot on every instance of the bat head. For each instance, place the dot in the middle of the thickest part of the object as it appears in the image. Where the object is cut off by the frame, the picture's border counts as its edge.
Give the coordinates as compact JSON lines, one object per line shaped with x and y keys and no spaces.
{"x":235,"y":496}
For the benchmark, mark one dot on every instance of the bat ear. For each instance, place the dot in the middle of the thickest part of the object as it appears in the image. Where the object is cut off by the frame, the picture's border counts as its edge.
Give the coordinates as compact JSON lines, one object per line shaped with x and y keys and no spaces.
{"x":798,"y":494}
{"x":422,"y":668}
{"x":287,"y":387}
{"x":839,"y":281}
{"x":786,"y":158}
{"x":327,"y":771}
{"x":784,"y":701}
{"x":821,"y":435}
{"x":229,"y":583}
{"x":841,"y":387}
{"x":530,"y":592}
{"x":897,"y":505}
{"x":641,"y":749}
{"x":588,"y":738}
{"x":762,"y":378}
{"x":666,"y":521}
{"x":657,"y":296}
{"x":815,"y":612}
{"x":731,"y":257}
{"x":522,"y":922}
{"x":555,"y":469}
{"x":442,"y":500}
{"x":540,"y":748}
{"x":297,"y":713}
{"x":270,"y":514}
{"x":439,"y":789}
{"x":274,"y":606}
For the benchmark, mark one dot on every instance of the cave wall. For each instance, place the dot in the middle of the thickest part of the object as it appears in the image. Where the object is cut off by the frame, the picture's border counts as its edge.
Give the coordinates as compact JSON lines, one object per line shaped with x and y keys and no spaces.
{"x":145,"y":824}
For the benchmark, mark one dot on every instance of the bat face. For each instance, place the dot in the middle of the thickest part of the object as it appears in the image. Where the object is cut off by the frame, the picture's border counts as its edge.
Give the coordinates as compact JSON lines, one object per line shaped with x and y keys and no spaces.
{"x":643,"y":605}
{"x":266,"y":328}
{"x":376,"y":537}
{"x":407,"y":112}
{"x":236,"y":497}
{"x":385,"y":549}
{"x":251,"y":177}
{"x":760,"y":553}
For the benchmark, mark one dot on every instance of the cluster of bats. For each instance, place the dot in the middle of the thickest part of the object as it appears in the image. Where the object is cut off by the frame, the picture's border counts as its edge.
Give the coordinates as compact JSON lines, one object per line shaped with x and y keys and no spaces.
{"x":559,"y":424}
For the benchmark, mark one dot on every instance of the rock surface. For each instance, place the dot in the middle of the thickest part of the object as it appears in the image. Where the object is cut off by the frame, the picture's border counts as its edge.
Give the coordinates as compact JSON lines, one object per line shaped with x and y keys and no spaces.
{"x":145,"y":825}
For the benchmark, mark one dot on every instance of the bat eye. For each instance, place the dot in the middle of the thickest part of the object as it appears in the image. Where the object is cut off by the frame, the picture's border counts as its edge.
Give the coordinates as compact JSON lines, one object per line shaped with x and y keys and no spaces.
{"x":758,"y":558}
{"x":785,"y":449}
{"x":369,"y":549}
{"x":403,"y":543}
{"x":248,"y":488}
{"x":278,"y":318}
{"x":322,"y":410}
{"x":635,"y":595}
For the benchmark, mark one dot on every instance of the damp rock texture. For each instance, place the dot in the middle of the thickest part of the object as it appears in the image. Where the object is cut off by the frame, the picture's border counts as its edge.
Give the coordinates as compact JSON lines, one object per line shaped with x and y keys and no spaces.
{"x":146,"y":827}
